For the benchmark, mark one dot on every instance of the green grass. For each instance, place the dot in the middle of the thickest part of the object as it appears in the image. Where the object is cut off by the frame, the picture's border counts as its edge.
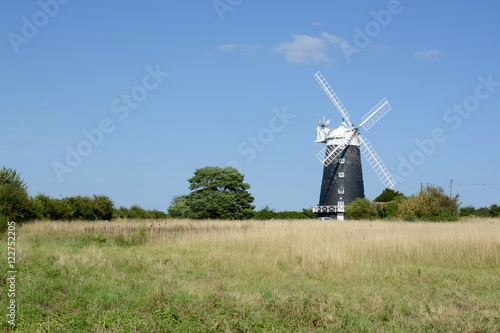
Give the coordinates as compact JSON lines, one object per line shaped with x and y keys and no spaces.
{"x":281,"y":276}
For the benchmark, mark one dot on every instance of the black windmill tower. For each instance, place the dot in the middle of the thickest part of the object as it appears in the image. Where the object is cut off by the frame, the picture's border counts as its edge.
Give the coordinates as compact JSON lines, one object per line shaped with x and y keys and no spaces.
{"x":342,"y":173}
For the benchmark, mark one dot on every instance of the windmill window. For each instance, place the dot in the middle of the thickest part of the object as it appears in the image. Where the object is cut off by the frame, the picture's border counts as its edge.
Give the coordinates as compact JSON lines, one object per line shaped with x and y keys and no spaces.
{"x":342,"y":160}
{"x":341,"y":191}
{"x":341,"y":174}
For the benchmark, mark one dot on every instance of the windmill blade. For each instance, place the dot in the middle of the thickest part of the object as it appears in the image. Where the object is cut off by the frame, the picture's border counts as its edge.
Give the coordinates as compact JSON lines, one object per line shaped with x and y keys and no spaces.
{"x":333,"y":97}
{"x":326,"y":157}
{"x":376,"y":163}
{"x":375,"y":114}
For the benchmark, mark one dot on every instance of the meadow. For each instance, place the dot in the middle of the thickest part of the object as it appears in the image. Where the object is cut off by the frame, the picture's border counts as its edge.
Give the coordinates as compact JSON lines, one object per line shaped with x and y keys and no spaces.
{"x":256,"y":276}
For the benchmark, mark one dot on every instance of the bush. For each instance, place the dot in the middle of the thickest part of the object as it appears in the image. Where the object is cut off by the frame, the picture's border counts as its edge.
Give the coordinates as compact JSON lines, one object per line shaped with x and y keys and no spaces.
{"x":72,"y":208}
{"x":265,"y":213}
{"x":467,"y":211}
{"x":14,"y":203}
{"x":495,"y":210}
{"x":388,"y":195}
{"x":483,"y":212}
{"x":361,"y":209}
{"x":431,"y":204}
{"x":103,"y":207}
{"x":47,"y":208}
{"x":137,"y":212}
{"x":389,"y":210}
{"x":82,"y":208}
{"x":291,"y":215}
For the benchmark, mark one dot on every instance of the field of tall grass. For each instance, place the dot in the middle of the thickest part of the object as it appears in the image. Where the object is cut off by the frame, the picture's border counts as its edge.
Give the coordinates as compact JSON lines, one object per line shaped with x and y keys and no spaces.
{"x":256,"y":276}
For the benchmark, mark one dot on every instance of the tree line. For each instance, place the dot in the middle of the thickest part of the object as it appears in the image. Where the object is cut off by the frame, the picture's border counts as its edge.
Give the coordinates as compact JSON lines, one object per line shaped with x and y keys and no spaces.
{"x":17,"y":205}
{"x":222,"y":193}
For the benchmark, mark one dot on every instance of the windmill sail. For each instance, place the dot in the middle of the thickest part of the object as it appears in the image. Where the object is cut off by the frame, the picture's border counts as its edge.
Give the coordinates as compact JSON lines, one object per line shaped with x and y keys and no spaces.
{"x":333,"y":97}
{"x":376,"y":163}
{"x":375,"y":114}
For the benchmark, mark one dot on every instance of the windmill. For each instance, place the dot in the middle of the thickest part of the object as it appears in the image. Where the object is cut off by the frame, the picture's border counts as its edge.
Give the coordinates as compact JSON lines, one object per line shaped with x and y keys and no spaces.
{"x":342,"y":174}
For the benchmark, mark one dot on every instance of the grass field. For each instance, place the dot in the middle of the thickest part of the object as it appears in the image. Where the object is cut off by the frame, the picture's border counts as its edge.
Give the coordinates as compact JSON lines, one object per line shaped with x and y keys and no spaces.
{"x":256,"y":276}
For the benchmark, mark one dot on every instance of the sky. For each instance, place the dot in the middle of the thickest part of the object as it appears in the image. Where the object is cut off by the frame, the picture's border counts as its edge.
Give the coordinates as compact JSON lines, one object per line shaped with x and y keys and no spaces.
{"x":128,"y":98}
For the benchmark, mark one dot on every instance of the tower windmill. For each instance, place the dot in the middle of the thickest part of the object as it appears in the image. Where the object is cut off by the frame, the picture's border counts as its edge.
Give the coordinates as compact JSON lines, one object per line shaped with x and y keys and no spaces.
{"x":342,"y":174}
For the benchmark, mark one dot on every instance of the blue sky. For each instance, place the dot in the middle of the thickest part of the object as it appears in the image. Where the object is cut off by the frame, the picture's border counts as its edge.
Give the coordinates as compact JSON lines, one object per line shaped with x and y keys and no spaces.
{"x":127,"y":99}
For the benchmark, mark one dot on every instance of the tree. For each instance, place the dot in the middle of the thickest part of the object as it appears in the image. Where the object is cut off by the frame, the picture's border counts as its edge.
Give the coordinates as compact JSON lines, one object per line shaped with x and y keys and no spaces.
{"x":216,"y":193}
{"x":361,"y":209}
{"x":103,"y":207}
{"x":431,"y":204}
{"x":467,"y":211}
{"x":178,"y":207}
{"x":387,"y":195}
{"x":15,"y":204}
{"x":12,"y":177}
{"x":495,"y":210}
{"x":265,"y":213}
{"x":389,"y":210}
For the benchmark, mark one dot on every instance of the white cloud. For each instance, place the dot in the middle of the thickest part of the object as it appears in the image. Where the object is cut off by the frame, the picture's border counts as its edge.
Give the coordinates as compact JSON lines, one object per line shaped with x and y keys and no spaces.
{"x":427,"y":54}
{"x":250,"y":47}
{"x":304,"y":49}
{"x":337,"y":41}
{"x":239,"y":47}
{"x":228,"y":47}
{"x":334,"y":39}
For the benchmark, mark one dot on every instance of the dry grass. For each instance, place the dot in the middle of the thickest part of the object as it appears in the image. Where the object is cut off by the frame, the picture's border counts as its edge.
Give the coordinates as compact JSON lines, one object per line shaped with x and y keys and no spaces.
{"x":331,"y":275}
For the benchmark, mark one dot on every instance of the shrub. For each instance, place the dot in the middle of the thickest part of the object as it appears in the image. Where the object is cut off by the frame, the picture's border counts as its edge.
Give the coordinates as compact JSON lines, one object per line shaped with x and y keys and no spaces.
{"x":495,"y":210}
{"x":72,"y":208}
{"x":389,"y":210}
{"x":483,"y":212}
{"x":431,"y":204}
{"x":265,"y":213}
{"x":103,"y":207}
{"x":291,"y":215}
{"x":388,"y":195}
{"x":14,"y":203}
{"x":467,"y":211}
{"x":82,"y":208}
{"x":137,"y":212}
{"x":361,"y":209}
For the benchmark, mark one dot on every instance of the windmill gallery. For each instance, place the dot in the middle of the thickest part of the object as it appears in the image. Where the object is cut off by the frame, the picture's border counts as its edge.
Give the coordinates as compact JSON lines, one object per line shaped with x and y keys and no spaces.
{"x":342,"y":174}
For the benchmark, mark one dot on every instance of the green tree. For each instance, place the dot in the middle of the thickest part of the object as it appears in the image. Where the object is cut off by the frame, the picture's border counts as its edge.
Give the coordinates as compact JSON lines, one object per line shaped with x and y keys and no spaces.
{"x":483,"y":212}
{"x":15,"y":204}
{"x":103,"y":207}
{"x":265,"y":213}
{"x":431,"y":204}
{"x":467,"y":211}
{"x":389,"y":210}
{"x":495,"y":210}
{"x":361,"y":209}
{"x":82,"y":208}
{"x":178,"y":207}
{"x":216,"y":193}
{"x":12,"y":177}
{"x":387,"y":195}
